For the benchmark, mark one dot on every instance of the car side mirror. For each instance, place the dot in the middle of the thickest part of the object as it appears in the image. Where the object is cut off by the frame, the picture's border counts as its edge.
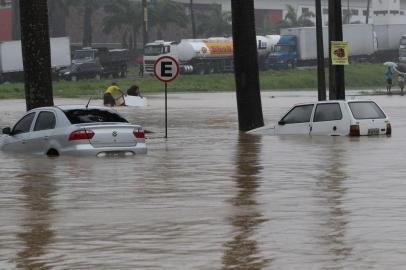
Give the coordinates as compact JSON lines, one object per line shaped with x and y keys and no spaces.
{"x":281,"y":123}
{"x":7,"y":131}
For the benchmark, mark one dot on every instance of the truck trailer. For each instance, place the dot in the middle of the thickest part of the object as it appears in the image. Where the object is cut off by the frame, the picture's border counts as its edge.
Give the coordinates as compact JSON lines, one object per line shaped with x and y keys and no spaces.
{"x":11,"y":60}
{"x":203,"y":56}
{"x":297,"y":46}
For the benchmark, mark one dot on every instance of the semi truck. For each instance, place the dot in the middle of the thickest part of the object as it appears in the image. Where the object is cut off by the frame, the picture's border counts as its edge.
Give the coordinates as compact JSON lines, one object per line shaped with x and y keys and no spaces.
{"x":203,"y":56}
{"x":297,"y":46}
{"x":11,"y":60}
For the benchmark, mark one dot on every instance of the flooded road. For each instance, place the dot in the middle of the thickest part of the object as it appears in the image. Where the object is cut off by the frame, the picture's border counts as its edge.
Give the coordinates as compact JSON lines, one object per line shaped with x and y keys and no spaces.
{"x":210,"y":198}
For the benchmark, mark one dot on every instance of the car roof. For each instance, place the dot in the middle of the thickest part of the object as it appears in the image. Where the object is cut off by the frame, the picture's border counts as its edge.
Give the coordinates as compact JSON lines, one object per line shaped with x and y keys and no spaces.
{"x":72,"y":107}
{"x":333,"y":101}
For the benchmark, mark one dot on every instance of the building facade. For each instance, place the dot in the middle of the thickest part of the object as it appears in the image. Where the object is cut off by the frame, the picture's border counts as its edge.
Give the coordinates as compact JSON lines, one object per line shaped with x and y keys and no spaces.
{"x":381,"y":11}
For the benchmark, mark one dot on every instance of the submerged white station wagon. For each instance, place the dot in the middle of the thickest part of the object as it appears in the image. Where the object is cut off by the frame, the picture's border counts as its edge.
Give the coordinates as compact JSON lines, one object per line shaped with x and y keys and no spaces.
{"x":334,"y":118}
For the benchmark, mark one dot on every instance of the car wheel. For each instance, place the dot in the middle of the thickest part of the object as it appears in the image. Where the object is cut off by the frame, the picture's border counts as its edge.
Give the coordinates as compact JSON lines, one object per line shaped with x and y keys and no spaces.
{"x":52,"y":153}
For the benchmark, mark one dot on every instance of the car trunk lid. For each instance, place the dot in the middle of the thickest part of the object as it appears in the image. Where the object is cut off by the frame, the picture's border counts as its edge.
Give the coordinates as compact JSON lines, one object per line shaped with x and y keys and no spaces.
{"x":373,"y":126}
{"x":112,"y":135}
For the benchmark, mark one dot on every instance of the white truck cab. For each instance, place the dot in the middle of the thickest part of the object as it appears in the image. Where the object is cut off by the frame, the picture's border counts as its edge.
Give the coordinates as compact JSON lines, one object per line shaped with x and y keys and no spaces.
{"x":155,"y":50}
{"x":333,"y":118}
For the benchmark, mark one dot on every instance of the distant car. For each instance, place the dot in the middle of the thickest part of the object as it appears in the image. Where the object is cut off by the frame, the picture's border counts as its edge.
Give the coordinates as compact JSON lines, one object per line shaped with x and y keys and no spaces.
{"x":335,"y":118}
{"x":74,"y":130}
{"x":86,"y":70}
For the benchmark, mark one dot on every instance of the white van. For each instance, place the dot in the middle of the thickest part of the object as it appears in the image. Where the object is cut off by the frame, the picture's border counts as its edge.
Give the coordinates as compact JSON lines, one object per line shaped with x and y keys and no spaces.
{"x":334,"y":118}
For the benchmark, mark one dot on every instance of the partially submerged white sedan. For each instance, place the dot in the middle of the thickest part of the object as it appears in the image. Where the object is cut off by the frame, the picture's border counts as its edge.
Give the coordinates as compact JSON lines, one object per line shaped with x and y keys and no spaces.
{"x":74,"y":130}
{"x":335,"y":118}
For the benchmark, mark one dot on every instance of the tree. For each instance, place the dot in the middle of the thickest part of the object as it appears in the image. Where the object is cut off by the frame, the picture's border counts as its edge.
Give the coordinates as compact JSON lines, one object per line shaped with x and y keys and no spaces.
{"x":58,"y":10}
{"x":36,"y":53}
{"x":89,"y":7}
{"x":165,"y":12}
{"x":123,"y":14}
{"x":293,"y":20}
{"x":214,"y":22}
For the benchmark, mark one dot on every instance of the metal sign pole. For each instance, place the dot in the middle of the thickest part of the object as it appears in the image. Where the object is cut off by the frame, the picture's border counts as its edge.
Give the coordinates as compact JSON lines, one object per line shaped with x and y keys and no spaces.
{"x":166,"y":110}
{"x":166,"y":69}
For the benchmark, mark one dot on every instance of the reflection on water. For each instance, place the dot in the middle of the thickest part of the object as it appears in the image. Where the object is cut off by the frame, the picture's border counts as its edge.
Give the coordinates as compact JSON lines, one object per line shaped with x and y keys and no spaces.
{"x":209,"y":197}
{"x":242,"y":251}
{"x":331,"y":194}
{"x":38,"y":189}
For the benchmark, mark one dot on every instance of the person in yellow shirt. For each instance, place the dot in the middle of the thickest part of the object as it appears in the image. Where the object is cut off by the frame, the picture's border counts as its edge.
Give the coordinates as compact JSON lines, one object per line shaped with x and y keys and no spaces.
{"x":112,"y":91}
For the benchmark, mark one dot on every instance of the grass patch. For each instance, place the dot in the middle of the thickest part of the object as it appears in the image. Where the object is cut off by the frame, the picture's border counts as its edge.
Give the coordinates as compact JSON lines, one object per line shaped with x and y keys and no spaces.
{"x":357,"y":76}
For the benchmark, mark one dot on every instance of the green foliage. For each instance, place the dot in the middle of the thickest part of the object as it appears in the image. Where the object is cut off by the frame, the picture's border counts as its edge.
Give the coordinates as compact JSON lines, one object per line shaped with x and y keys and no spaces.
{"x":357,"y":76}
{"x":214,"y":22}
{"x":166,"y":12}
{"x":293,"y":20}
{"x":123,"y":14}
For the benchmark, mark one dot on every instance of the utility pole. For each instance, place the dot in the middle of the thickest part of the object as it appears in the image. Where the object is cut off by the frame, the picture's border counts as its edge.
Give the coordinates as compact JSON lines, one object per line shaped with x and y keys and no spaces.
{"x":145,"y":22}
{"x":368,"y":9}
{"x":15,"y":18}
{"x":320,"y":54}
{"x":246,"y":65}
{"x":192,"y":18}
{"x":336,"y":74}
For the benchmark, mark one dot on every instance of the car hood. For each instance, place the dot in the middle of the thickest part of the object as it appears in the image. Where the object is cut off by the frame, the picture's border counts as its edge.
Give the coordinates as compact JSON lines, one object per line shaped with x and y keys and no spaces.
{"x":265,"y":130}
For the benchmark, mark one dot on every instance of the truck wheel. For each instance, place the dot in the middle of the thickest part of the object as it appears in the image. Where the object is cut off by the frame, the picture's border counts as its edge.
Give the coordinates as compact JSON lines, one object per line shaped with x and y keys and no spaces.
{"x":73,"y":78}
{"x":211,"y":70}
{"x":199,"y":70}
{"x":97,"y":77}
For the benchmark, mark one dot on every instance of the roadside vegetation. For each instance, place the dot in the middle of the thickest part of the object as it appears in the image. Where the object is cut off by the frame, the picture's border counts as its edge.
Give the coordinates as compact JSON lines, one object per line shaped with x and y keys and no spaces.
{"x":358,"y":76}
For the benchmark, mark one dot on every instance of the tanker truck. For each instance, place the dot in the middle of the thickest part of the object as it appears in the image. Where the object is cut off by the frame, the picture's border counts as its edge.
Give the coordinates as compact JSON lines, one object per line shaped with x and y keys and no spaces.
{"x":203,"y":56}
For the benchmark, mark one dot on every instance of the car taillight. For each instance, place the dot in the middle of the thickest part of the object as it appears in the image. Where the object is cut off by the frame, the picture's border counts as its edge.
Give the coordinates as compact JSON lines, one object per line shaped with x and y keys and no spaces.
{"x":354,"y":130}
{"x":388,"y":129}
{"x":139,"y":133}
{"x":81,"y":135}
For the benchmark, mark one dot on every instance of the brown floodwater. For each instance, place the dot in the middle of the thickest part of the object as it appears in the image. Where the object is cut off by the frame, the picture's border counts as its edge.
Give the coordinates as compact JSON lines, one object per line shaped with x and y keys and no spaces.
{"x":209,"y":197}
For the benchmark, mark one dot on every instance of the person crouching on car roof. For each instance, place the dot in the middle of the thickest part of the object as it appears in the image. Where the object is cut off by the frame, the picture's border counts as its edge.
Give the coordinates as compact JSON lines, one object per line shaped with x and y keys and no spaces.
{"x":112,"y":90}
{"x":134,"y":90}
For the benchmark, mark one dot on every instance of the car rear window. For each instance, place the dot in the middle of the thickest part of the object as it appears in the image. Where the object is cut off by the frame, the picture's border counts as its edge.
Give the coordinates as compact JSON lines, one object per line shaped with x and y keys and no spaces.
{"x":82,"y":116}
{"x":366,"y":110}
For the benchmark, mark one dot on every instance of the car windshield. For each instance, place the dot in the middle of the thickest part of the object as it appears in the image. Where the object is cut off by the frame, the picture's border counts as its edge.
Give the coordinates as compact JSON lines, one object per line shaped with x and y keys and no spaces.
{"x":366,"y":110}
{"x":282,"y":48}
{"x":153,"y":50}
{"x":83,"y":54}
{"x":82,"y":116}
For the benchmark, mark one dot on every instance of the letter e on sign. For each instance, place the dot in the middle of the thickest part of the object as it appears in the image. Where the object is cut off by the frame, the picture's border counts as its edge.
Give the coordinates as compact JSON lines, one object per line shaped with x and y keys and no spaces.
{"x":166,"y":69}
